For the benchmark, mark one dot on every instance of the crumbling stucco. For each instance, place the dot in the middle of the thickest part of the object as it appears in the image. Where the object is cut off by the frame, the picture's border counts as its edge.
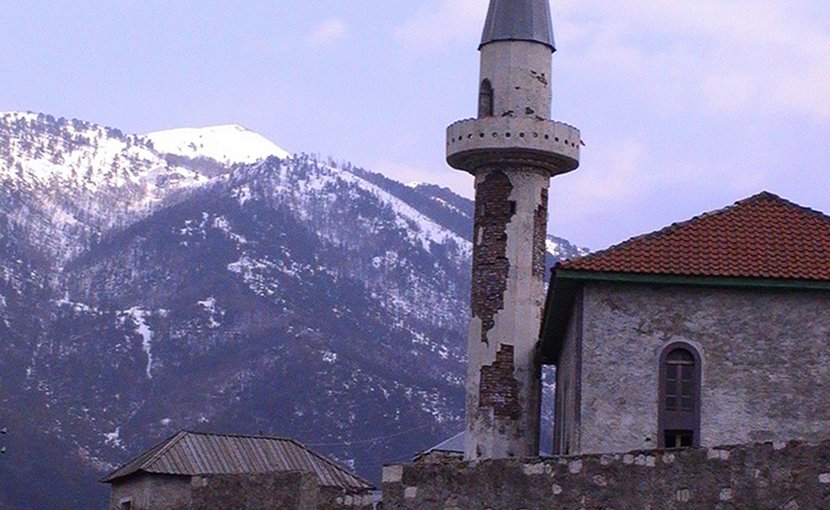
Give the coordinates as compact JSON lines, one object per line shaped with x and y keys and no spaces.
{"x":503,"y":402}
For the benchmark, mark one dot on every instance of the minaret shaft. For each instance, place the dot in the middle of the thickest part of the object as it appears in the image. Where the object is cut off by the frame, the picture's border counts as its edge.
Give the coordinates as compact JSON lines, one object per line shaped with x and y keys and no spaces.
{"x":503,"y":393}
{"x":513,"y":150}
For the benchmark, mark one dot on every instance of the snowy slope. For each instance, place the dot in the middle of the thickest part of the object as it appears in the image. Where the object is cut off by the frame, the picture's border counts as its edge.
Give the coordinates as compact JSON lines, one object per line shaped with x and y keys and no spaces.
{"x":77,"y":155}
{"x":67,"y":181}
{"x":226,"y":144}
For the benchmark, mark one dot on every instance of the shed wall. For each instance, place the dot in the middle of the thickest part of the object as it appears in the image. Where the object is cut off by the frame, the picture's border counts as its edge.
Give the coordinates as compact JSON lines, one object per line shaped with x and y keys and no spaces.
{"x":152,"y":492}
{"x":568,"y":381}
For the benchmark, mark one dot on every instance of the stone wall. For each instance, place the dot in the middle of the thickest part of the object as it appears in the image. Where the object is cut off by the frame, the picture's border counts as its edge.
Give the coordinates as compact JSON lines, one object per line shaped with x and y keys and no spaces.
{"x":286,"y":491}
{"x":788,"y":476}
{"x":765,"y":363}
{"x":289,"y":491}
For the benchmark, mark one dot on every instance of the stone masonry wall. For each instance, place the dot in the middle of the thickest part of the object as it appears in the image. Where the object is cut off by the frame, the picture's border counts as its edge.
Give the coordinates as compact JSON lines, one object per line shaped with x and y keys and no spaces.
{"x":288,"y":491}
{"x":765,"y":363}
{"x":780,"y":476}
{"x":284,"y":491}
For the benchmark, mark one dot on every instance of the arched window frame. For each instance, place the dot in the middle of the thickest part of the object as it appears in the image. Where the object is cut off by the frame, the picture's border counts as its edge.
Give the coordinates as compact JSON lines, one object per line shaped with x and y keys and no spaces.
{"x":667,"y":420}
{"x":486,"y":99}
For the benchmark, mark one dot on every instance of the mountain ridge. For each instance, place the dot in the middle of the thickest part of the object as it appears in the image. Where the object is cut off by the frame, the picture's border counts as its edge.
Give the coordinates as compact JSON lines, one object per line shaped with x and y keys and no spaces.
{"x":290,"y":295}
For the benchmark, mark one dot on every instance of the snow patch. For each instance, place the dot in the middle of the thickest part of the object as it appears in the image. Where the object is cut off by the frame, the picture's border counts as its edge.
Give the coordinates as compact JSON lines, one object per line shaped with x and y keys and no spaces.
{"x":226,"y":144}
{"x":243,"y":194}
{"x":255,"y":273}
{"x":222,"y":223}
{"x":113,"y":438}
{"x":76,"y":306}
{"x":556,"y":249}
{"x":139,"y":319}
{"x":6,"y":319}
{"x":209,"y":305}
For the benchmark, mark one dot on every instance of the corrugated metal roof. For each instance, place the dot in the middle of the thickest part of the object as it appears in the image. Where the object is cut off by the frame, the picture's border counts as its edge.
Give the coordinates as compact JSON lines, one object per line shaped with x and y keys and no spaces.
{"x":455,"y":444}
{"x":518,"y":20}
{"x":196,"y":453}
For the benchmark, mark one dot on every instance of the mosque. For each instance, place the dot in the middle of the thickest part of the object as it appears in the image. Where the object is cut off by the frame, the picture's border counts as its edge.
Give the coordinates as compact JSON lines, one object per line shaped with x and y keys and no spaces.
{"x":710,"y":332}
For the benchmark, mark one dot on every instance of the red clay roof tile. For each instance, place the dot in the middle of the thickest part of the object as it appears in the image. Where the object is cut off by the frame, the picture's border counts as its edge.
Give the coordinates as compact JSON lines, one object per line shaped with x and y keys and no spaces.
{"x":763,"y":236}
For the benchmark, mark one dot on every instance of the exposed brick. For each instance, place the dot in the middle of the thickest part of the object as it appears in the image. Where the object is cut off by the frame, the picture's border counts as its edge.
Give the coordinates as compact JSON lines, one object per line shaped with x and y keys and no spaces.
{"x":490,"y":263}
{"x":499,"y":389}
{"x":540,"y":232}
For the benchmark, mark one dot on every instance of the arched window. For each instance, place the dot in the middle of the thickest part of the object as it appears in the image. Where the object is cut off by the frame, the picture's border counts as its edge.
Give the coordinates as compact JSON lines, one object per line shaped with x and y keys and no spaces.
{"x":485,"y":100}
{"x":679,"y":417}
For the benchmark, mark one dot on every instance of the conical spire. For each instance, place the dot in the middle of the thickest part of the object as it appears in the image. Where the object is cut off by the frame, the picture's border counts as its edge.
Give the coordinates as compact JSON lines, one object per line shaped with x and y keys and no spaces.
{"x":519,"y":20}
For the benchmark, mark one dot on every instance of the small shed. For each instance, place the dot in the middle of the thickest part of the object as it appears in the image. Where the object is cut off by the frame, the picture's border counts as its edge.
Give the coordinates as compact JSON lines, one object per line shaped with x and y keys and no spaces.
{"x":448,"y":450}
{"x":195,"y":470}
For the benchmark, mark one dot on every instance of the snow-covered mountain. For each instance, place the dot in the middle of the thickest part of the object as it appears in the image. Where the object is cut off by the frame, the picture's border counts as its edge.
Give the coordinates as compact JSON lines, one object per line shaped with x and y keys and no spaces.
{"x":147,"y":287}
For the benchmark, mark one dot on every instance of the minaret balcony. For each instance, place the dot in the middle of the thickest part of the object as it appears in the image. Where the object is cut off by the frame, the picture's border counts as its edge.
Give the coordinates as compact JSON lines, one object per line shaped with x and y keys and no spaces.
{"x":525,"y":142}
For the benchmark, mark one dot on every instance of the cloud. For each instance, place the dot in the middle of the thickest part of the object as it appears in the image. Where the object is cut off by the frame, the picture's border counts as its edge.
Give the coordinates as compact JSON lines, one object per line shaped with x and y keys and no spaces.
{"x":719,"y":56}
{"x":327,"y":31}
{"x":437,"y":24}
{"x":460,"y":182}
{"x":722,"y":56}
{"x":618,"y":174}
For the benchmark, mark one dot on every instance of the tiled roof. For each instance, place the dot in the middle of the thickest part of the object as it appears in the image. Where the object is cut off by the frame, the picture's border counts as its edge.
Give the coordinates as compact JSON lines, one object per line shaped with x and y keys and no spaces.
{"x":195,"y":453}
{"x":763,"y":236}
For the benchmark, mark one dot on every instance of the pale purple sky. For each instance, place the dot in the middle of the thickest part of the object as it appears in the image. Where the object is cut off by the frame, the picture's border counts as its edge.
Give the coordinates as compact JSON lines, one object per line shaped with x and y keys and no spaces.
{"x":685,"y":106}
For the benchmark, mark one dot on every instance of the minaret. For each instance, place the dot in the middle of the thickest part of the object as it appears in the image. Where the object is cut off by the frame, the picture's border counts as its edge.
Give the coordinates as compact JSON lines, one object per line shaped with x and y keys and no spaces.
{"x":512,"y":149}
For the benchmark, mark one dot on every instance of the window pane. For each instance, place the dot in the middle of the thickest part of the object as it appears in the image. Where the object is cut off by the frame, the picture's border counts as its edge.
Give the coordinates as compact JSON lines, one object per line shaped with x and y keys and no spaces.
{"x":671,"y":403}
{"x":687,"y":403}
{"x":680,"y":355}
{"x":687,"y":389}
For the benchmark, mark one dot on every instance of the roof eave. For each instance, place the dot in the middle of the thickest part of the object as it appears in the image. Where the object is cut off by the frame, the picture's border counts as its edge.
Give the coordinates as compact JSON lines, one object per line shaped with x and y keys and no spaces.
{"x":551,"y":45}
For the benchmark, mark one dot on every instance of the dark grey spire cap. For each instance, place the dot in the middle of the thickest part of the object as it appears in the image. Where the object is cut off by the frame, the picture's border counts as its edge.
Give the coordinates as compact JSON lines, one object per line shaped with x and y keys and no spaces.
{"x":518,"y":20}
